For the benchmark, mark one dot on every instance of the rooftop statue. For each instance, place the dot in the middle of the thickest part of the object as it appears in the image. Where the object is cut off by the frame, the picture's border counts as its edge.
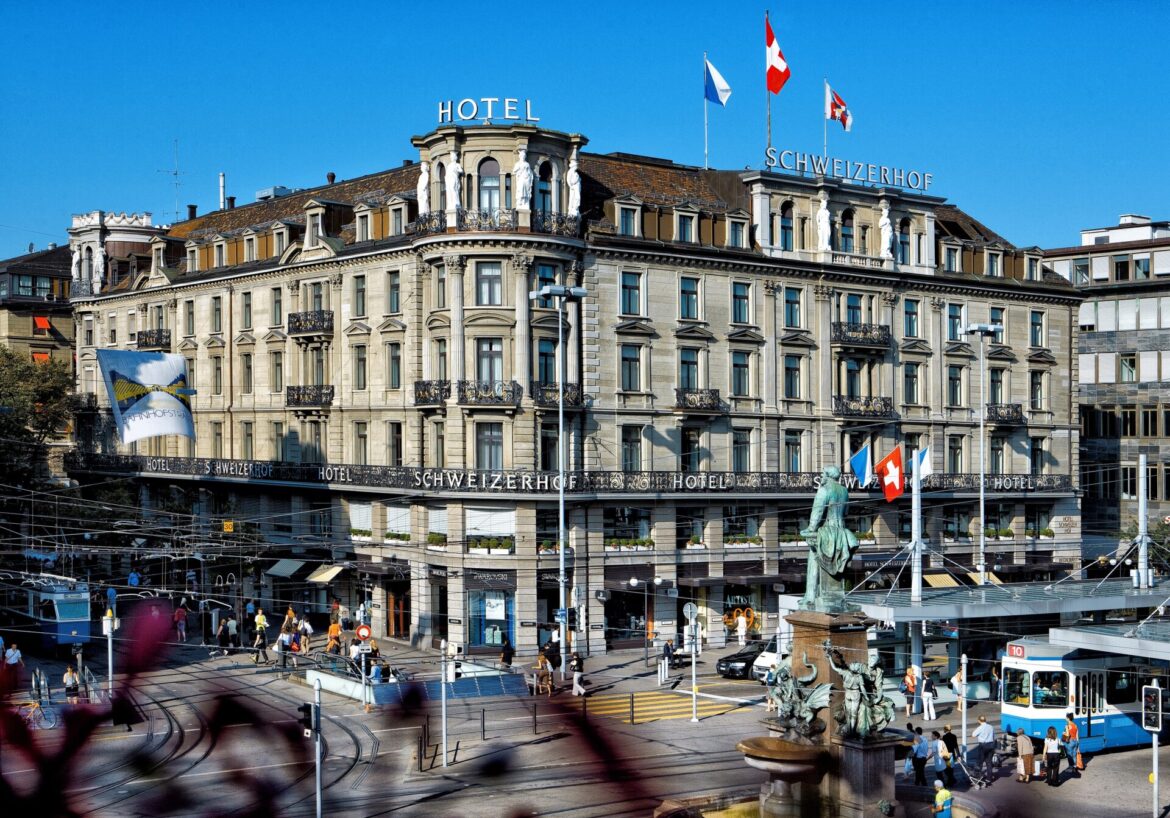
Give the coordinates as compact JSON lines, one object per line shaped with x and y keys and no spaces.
{"x":824,"y":231}
{"x":454,"y":182}
{"x":830,"y":544}
{"x":424,"y":188}
{"x":573,"y":180}
{"x":887,"y":232}
{"x":522,"y":177}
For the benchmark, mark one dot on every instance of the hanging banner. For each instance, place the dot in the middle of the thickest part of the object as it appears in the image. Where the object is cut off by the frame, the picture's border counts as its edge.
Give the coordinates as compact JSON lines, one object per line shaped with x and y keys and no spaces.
{"x":148,"y":393}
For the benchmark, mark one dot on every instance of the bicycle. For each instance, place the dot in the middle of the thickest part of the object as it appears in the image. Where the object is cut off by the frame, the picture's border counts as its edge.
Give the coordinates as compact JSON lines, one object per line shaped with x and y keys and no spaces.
{"x":36,"y":716}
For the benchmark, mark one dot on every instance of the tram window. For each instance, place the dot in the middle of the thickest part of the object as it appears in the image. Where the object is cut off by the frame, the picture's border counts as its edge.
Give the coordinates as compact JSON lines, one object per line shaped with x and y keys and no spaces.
{"x":1017,"y":686}
{"x":1120,"y":687}
{"x":1050,"y":688}
{"x":69,"y":610}
{"x":48,"y":610}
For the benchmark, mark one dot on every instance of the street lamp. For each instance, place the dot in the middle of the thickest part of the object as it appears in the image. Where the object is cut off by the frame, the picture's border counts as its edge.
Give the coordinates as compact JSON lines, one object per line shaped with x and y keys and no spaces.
{"x":984,"y":331}
{"x":646,"y":611}
{"x":562,"y":294}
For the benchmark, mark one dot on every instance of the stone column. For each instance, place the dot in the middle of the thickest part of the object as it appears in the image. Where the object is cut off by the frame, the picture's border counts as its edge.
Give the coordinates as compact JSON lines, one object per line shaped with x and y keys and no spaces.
{"x":521,"y":364}
{"x":771,"y":339}
{"x":824,"y":376}
{"x":455,"y":266}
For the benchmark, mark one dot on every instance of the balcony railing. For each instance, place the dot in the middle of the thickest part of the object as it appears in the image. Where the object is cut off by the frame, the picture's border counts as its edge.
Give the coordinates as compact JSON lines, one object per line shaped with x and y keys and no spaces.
{"x":873,"y":335}
{"x":600,"y":483}
{"x":863,"y":407}
{"x":318,"y":395}
{"x":546,"y":393}
{"x":490,"y":393}
{"x":486,"y":220}
{"x":154,"y":339}
{"x":858,"y":260}
{"x":1010,"y":414}
{"x":315,"y":322}
{"x":698,"y":400}
{"x":83,"y":401}
{"x":431,"y":393}
{"x":556,"y":223}
{"x":433,"y":222}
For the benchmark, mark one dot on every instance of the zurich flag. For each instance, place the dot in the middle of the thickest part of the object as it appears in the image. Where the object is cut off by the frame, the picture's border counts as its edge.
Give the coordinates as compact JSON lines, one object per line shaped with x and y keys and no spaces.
{"x":862,"y":465}
{"x":715,"y":88}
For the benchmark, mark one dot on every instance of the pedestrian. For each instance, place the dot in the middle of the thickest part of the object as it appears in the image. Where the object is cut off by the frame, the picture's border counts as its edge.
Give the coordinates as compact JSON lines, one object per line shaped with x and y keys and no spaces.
{"x":984,"y":736}
{"x":507,"y":653}
{"x":1051,"y":758}
{"x":908,"y":687}
{"x":741,"y":626}
{"x":1027,"y":756}
{"x":952,"y":744}
{"x":770,"y":682}
{"x":919,"y":753}
{"x":222,"y":640}
{"x":333,"y":646}
{"x":260,"y":645}
{"x":134,"y":578}
{"x":306,"y":631}
{"x":72,"y":684}
{"x":290,"y":619}
{"x":996,"y":692}
{"x":1072,"y":745}
{"x":943,"y":800}
{"x":13,"y":662}
{"x":233,"y":631}
{"x":346,"y":622}
{"x":668,"y":652}
{"x":928,"y":691}
{"x":284,"y":647}
{"x":960,"y":689}
{"x":112,"y":599}
{"x":577,"y":665}
{"x":180,"y":619}
{"x":250,"y":609}
{"x":942,"y":755}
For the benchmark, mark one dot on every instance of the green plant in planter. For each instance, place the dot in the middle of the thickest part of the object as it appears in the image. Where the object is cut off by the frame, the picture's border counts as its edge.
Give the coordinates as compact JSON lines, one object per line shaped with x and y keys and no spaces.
{"x":1007,"y":533}
{"x":695,"y":539}
{"x":360,"y":532}
{"x":991,"y":532}
{"x":1030,"y":532}
{"x":865,"y":535}
{"x":435,"y":538}
{"x":1047,"y":532}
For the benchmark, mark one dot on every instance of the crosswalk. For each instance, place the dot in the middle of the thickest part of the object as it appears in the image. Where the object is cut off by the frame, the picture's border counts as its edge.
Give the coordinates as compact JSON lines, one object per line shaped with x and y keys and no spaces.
{"x":652,"y":705}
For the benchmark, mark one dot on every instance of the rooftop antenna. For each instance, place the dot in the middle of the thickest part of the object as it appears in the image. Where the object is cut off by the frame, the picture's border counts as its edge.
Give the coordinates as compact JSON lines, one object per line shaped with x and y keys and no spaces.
{"x":176,"y":173}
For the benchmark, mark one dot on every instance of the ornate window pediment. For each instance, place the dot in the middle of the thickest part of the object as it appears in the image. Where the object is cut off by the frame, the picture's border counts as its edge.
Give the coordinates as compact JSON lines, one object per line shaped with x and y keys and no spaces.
{"x":275,"y":336}
{"x":914,"y":346}
{"x":245,"y":339}
{"x":214,"y":342}
{"x":961,"y":348}
{"x":188,"y":344}
{"x":1000,"y":352}
{"x":745,"y":336}
{"x":1042,"y":356}
{"x":798,"y":337}
{"x":693,"y":332}
{"x":357,"y":328}
{"x":635,"y":326}
{"x":434,"y":321}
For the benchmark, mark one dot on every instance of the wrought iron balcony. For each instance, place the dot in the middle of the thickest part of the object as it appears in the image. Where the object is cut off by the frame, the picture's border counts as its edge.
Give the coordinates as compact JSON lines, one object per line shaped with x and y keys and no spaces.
{"x":546,"y":393}
{"x":698,"y":400}
{"x":556,"y":223}
{"x":1009,"y":414}
{"x":154,"y":339}
{"x":870,"y":335}
{"x":319,"y":395}
{"x":486,"y":220}
{"x":1002,"y":483}
{"x":433,"y":222}
{"x":863,"y":407}
{"x":490,"y":393}
{"x":83,"y":401}
{"x":315,"y":322}
{"x":431,"y":393}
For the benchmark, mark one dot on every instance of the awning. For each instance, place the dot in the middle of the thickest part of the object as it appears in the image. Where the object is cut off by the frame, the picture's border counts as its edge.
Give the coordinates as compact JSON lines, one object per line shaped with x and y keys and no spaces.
{"x":41,"y":357}
{"x":325,"y":573}
{"x":285,"y":568}
{"x":990,"y":577}
{"x":940,"y":581}
{"x":41,"y":322}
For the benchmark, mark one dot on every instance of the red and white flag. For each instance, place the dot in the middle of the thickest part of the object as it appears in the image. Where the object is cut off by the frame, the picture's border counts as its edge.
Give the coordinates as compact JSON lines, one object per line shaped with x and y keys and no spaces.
{"x":890,"y":475}
{"x":778,"y":71}
{"x":835,"y":108}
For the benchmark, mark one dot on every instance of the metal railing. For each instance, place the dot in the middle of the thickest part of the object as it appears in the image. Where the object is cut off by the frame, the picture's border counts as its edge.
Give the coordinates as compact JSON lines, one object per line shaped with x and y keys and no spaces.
{"x":486,"y":220}
{"x":433,"y":222}
{"x":1007,"y":413}
{"x":489,"y":393}
{"x":157,"y":338}
{"x":431,"y":393}
{"x":319,"y":322}
{"x":556,"y":223}
{"x":877,"y":335}
{"x":547,"y":393}
{"x":863,"y":407}
{"x":703,"y":400}
{"x":315,"y":395}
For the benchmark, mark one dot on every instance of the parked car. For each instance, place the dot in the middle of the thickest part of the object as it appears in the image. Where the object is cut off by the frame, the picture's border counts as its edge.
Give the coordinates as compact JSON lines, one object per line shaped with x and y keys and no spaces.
{"x":738,"y":665}
{"x":770,"y":656}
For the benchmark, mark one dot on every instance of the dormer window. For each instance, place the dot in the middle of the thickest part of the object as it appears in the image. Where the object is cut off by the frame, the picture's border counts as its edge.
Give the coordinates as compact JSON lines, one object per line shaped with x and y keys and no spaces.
{"x":397,"y":217}
{"x":313,"y":233}
{"x":993,"y":266}
{"x":280,"y":240}
{"x":158,"y":258}
{"x":686,"y":227}
{"x":192,"y":259}
{"x":1033,"y":269}
{"x":363,"y":227}
{"x":628,"y":221}
{"x":736,"y":230}
{"x":951,"y":260}
{"x":249,"y":248}
{"x":220,"y":254}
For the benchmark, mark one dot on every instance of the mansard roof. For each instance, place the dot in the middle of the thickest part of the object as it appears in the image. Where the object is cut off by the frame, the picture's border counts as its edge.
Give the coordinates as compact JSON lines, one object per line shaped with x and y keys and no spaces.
{"x":654,"y":181}
{"x":958,"y":224}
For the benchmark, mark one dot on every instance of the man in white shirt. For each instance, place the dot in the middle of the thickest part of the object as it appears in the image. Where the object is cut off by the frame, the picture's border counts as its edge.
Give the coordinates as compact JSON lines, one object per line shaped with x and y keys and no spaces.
{"x":984,"y":736}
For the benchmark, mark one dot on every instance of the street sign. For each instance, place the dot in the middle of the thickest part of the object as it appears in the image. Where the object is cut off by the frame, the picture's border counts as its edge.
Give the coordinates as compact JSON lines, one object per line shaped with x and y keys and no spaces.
{"x":363,"y":632}
{"x":690,"y":611}
{"x":559,"y":616}
{"x":366,"y":647}
{"x":229,"y":526}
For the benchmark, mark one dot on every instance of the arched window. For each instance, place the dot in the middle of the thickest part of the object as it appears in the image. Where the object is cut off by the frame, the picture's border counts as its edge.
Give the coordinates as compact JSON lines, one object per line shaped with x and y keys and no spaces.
{"x":441,"y":181}
{"x":544,"y":189}
{"x":489,"y":185}
{"x":786,"y":226}
{"x":904,"y":241}
{"x":87,"y":273}
{"x":846,"y":239}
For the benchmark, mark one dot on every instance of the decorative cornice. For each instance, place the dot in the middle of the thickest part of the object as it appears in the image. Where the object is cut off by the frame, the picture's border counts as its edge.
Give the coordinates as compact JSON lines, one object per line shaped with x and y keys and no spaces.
{"x":454,"y":263}
{"x":521,"y":262}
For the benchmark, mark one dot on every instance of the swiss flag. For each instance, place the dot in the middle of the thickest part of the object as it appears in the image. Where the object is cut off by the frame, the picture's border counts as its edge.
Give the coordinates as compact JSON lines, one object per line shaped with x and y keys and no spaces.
{"x":778,"y":71}
{"x":891,"y":476}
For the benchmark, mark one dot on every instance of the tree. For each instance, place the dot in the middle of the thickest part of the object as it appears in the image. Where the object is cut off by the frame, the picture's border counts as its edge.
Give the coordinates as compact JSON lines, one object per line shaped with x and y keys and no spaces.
{"x":35,"y":406}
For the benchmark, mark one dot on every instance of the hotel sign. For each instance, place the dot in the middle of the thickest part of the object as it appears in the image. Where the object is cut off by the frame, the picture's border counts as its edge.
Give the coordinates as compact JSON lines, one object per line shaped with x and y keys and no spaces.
{"x":486,"y":108}
{"x":832,"y":167}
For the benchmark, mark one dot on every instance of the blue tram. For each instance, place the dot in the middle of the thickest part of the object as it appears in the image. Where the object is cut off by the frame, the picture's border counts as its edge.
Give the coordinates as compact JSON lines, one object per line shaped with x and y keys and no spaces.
{"x":45,"y":609}
{"x":1044,"y":682}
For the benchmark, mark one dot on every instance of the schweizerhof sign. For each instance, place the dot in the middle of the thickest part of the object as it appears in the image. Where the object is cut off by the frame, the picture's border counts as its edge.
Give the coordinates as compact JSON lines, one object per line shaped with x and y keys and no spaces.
{"x":864,"y":172}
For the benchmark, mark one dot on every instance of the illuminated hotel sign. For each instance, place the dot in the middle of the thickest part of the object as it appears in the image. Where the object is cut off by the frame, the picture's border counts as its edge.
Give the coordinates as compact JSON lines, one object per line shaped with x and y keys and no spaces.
{"x":487,"y":108}
{"x":864,"y":172}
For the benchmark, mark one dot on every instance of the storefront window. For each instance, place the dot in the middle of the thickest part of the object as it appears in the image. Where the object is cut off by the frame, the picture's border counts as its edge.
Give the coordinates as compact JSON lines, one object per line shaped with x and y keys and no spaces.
{"x":746,"y":600}
{"x":491,"y":614}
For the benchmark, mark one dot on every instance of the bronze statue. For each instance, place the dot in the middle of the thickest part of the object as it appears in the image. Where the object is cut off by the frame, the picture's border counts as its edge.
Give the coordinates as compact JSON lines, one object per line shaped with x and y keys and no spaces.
{"x":866,"y":710}
{"x":830,"y":544}
{"x":798,"y":700}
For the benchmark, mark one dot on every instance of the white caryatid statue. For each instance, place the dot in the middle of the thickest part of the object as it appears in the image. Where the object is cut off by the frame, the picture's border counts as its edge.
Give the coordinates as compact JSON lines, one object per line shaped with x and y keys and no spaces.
{"x":75,"y":266}
{"x":99,"y":269}
{"x":522,"y":179}
{"x":887,"y":232}
{"x":824,"y":229}
{"x":454,"y":182}
{"x":424,"y":188}
{"x":573,"y":181}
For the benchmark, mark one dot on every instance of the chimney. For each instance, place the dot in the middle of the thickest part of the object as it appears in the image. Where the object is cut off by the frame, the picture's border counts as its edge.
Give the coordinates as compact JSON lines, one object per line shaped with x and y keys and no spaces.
{"x":231,"y":202}
{"x":330,"y":177}
{"x":191,"y":210}
{"x":52,"y":245}
{"x":407,"y":163}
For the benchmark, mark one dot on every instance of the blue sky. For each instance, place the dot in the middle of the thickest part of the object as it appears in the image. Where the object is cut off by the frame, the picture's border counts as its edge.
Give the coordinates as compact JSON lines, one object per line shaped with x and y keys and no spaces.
{"x":1039,"y":118}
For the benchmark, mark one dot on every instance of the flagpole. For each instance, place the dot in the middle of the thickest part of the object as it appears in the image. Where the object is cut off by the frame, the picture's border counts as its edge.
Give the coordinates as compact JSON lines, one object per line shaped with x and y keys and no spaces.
{"x":704,"y":110}
{"x":825,"y":124}
{"x":768,"y":95}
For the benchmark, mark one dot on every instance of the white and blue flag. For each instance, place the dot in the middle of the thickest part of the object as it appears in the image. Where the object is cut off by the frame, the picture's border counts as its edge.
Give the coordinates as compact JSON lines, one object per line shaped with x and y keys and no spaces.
{"x":862,"y":465}
{"x":149,"y":393}
{"x":922,"y":463}
{"x":715,"y":88}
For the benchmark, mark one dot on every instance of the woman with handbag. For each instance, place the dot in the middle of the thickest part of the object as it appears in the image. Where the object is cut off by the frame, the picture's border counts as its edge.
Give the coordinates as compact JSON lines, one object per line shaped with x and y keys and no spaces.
{"x":1052,"y":749}
{"x":1072,"y":745}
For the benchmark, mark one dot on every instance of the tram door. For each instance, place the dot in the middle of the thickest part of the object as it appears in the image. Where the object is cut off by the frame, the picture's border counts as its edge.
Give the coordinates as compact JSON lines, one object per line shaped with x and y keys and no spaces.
{"x":1090,"y":700}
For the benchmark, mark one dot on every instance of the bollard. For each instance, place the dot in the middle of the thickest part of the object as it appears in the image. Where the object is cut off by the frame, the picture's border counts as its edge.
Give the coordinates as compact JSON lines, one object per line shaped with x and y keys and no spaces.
{"x":482,"y":726}
{"x":422,"y":750}
{"x":631,"y":708}
{"x":534,"y":731}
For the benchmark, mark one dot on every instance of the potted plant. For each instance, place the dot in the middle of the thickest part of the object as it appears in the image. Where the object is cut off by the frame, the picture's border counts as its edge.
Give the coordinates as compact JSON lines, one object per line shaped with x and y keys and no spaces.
{"x":867,"y":537}
{"x":695,"y":542}
{"x":360,"y":534}
{"x":397,"y":535}
{"x":1047,"y":533}
{"x":991,"y":533}
{"x":436,"y":539}
{"x":548,"y":547}
{"x":1006,"y":534}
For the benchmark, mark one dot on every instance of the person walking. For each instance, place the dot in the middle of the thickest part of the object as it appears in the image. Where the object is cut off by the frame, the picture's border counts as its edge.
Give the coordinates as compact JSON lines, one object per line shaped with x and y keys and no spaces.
{"x":260,"y":645}
{"x":960,"y":689}
{"x":943,"y":800}
{"x":1027,"y":753}
{"x":284,"y":645}
{"x":741,"y":627}
{"x":233,"y":632}
{"x":940,"y":753}
{"x":1051,"y":758}
{"x":180,"y":619}
{"x":1072,"y":745}
{"x":928,"y":691}
{"x":919,"y":754}
{"x":507,"y":653}
{"x":668,"y":652}
{"x":577,"y":665}
{"x":72,"y":684}
{"x":306,"y":631}
{"x":952,"y":743}
{"x":13,"y":662}
{"x":221,"y":639}
{"x":984,"y":736}
{"x":909,"y":686}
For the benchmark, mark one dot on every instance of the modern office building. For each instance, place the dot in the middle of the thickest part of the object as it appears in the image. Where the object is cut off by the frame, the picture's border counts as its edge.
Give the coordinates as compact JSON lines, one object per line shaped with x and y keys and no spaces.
{"x":377,"y":393}
{"x":1124,"y":352}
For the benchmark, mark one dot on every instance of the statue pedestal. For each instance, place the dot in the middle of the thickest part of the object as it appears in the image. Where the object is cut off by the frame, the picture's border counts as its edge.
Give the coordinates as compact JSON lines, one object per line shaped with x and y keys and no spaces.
{"x":864,"y":775}
{"x":848,"y":634}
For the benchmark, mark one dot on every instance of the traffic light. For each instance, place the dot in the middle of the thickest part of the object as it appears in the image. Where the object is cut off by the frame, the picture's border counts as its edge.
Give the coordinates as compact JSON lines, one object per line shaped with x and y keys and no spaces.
{"x":1152,"y":708}
{"x":306,"y":711}
{"x":571,"y":619}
